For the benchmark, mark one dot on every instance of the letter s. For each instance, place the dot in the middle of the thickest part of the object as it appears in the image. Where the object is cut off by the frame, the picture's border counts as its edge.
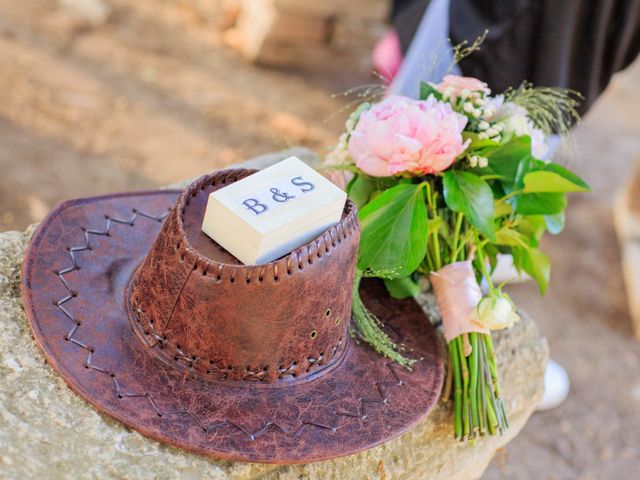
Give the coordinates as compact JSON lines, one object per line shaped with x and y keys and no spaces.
{"x":304,"y":185}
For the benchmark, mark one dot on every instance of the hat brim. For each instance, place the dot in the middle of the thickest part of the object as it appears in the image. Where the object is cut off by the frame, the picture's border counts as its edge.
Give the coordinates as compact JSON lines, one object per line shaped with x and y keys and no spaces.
{"x":74,"y":281}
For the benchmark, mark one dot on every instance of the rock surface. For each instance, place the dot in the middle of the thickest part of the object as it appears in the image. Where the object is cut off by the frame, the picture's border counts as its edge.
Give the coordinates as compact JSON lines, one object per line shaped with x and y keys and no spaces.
{"x":46,"y":431}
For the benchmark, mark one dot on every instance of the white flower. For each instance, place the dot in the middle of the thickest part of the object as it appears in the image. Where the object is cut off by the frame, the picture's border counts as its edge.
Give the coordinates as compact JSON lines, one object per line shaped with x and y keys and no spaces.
{"x":539,"y":147}
{"x":514,"y":120}
{"x":473,"y":161}
{"x":483,"y":125}
{"x":483,"y":162}
{"x":495,"y":312}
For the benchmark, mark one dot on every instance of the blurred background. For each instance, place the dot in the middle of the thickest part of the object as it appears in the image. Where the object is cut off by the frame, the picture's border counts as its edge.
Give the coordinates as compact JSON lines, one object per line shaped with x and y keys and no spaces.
{"x":101,"y":96}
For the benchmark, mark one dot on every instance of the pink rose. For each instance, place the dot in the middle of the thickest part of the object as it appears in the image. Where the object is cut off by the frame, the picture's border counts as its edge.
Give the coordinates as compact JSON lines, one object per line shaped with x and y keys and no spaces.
{"x":401,"y":135}
{"x":453,"y":85}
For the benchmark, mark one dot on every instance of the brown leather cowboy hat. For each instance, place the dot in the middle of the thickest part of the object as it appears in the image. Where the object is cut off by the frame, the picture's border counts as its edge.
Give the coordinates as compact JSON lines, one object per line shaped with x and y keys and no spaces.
{"x":156,"y":325}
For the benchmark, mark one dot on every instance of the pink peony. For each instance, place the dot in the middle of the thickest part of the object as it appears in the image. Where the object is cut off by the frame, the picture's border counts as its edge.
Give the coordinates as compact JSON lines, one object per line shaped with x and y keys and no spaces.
{"x":453,"y":85}
{"x":401,"y":135}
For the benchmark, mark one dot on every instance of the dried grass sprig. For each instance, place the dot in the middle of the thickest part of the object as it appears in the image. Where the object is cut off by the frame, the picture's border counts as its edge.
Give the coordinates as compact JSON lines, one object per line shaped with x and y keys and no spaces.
{"x":551,"y":109}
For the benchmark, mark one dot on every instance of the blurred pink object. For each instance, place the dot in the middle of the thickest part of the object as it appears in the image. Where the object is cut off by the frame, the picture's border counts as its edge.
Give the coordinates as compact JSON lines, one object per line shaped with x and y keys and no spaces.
{"x":387,"y":55}
{"x":401,"y":135}
{"x":453,"y":85}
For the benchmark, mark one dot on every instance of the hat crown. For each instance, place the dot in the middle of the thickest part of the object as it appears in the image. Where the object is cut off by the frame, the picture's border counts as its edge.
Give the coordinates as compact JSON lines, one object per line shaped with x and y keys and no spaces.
{"x":203,"y":311}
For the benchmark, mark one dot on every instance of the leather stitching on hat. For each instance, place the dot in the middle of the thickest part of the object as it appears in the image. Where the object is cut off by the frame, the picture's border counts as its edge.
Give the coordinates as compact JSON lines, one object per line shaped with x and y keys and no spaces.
{"x":193,"y":361}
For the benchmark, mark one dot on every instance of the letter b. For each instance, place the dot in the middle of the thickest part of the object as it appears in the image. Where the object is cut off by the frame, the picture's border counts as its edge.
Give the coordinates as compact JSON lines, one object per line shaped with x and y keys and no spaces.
{"x":255,"y":206}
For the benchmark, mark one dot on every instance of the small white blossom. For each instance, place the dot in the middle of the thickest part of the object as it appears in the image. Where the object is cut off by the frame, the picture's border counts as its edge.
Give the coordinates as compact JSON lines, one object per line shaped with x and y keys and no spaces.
{"x":483,"y":162}
{"x":492,"y":132}
{"x":468,"y":107}
{"x":448,"y":92}
{"x":473,"y":161}
{"x":483,"y":125}
{"x":496,"y":312}
{"x":477,"y":112}
{"x":483,"y":136}
{"x":514,"y":119}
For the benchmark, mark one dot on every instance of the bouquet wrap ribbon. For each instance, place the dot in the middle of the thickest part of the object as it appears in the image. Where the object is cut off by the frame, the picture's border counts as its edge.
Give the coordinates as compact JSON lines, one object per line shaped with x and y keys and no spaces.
{"x":457,"y":294}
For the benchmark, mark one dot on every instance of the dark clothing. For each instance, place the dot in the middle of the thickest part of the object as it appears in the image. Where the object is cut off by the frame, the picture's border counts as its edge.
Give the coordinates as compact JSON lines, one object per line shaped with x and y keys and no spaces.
{"x":577,"y":44}
{"x":406,"y":16}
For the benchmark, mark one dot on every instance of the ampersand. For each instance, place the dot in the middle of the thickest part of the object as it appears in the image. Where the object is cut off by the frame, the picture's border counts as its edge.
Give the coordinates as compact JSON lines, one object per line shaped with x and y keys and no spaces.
{"x":280,"y":197}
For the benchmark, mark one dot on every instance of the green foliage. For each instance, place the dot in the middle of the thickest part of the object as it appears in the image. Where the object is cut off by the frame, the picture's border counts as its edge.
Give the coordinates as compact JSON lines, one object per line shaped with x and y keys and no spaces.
{"x":505,"y":160}
{"x":371,"y":330}
{"x":469,"y":194}
{"x":401,"y":288}
{"x":393,"y":229}
{"x":553,"y":178}
{"x":523,"y":244}
{"x":427,"y":89}
{"x":360,"y":189}
{"x":540,"y":203}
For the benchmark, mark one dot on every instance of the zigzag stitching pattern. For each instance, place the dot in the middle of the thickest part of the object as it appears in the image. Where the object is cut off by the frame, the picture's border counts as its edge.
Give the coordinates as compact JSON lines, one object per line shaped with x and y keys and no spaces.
{"x":383,"y":387}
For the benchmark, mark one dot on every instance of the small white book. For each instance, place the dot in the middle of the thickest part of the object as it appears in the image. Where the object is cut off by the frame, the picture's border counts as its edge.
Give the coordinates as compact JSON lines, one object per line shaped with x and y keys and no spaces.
{"x":272,"y":212}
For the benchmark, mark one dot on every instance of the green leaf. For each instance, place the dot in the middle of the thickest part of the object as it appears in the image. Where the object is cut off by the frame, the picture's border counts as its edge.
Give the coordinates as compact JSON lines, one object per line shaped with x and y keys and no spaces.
{"x":467,"y":193}
{"x":434,"y":225}
{"x":402,"y":287}
{"x":555,"y":223}
{"x":394,"y":232}
{"x":360,"y":189}
{"x":567,"y":175}
{"x":544,"y":181}
{"x":532,"y":227}
{"x":540,"y":203}
{"x":537,"y":264}
{"x":525,"y":256}
{"x":504,"y":161}
{"x":427,"y":89}
{"x":511,"y":238}
{"x":502,"y":209}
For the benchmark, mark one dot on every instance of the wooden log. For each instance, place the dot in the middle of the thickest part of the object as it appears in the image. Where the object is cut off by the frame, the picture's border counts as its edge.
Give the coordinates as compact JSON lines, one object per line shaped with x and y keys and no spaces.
{"x":302,"y":33}
{"x":627,"y":224}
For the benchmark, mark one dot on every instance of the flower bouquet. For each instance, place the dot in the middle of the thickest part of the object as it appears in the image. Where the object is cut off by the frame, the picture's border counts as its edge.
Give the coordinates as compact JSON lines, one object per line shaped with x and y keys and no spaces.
{"x":443,"y":185}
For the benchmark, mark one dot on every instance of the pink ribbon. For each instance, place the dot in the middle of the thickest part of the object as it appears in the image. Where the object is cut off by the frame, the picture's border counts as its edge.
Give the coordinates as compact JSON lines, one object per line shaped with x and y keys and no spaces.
{"x":457,"y":293}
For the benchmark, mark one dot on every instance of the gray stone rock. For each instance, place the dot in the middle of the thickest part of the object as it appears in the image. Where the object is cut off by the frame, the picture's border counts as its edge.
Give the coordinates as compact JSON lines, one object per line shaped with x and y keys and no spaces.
{"x":46,"y":431}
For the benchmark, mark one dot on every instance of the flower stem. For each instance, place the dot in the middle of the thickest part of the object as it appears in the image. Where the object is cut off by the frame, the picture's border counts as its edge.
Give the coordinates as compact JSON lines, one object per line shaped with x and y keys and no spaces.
{"x":492,"y":364}
{"x":456,"y":237}
{"x":465,"y":387}
{"x":482,"y":395}
{"x":457,"y":385}
{"x":492,"y":421}
{"x":473,"y":386}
